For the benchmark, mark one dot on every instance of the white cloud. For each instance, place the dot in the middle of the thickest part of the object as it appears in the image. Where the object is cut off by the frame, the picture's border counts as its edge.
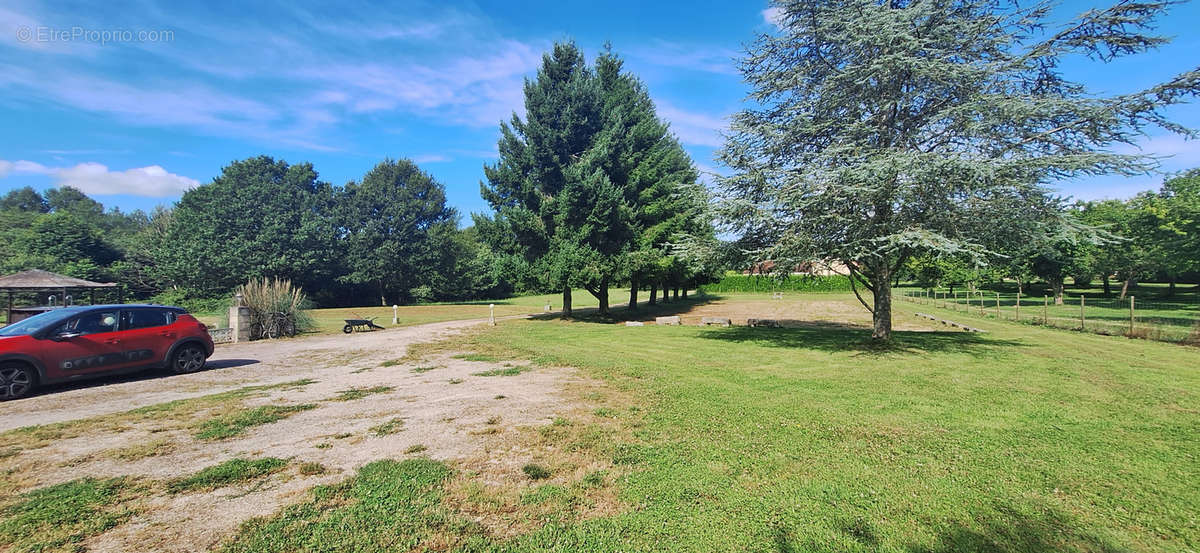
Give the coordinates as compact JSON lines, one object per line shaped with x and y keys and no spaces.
{"x":242,"y":80}
{"x":97,"y":179}
{"x":431,"y":158}
{"x":694,"y":57}
{"x":773,"y":16}
{"x":697,"y":129}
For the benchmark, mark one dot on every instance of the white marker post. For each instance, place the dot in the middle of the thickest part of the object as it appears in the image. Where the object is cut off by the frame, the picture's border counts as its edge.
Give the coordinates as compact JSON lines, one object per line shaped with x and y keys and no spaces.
{"x":492,"y":315}
{"x":395,"y":314}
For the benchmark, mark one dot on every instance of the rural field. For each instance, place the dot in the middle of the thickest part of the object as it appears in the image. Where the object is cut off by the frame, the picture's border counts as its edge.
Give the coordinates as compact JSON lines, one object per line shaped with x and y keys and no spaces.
{"x":588,"y":435}
{"x":1147,"y":312}
{"x":331,"y":320}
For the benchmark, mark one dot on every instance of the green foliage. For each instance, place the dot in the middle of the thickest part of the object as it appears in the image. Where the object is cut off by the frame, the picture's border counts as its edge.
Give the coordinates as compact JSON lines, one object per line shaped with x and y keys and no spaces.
{"x":24,"y":199}
{"x":260,"y":218}
{"x":233,"y":471}
{"x":399,"y":232}
{"x":735,"y":282}
{"x":869,"y":147}
{"x":236,"y":423}
{"x":178,"y":297}
{"x":589,"y":184}
{"x":61,"y":517}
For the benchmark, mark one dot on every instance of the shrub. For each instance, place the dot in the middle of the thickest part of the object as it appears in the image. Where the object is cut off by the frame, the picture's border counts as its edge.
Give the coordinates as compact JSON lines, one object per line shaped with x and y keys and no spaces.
{"x":271,"y":297}
{"x":421,"y":294}
{"x":769,"y":283}
{"x":179,"y":298}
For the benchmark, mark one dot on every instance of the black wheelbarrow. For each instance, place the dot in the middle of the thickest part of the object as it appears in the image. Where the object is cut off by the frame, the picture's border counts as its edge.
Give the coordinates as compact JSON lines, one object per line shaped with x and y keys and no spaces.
{"x":360,"y":325}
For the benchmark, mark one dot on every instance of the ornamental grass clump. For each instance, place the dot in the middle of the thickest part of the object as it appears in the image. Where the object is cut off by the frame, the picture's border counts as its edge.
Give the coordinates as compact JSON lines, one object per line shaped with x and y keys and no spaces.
{"x":277,"y":307}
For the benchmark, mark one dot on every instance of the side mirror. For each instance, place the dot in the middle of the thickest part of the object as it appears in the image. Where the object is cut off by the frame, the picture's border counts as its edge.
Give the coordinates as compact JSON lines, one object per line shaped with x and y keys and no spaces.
{"x":63,"y":337}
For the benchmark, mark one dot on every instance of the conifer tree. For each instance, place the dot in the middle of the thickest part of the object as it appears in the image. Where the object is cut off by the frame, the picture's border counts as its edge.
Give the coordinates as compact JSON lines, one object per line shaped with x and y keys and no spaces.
{"x":880,"y":130}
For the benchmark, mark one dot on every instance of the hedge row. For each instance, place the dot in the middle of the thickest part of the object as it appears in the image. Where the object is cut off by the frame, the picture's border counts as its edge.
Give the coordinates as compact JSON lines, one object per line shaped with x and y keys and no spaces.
{"x":792,"y":283}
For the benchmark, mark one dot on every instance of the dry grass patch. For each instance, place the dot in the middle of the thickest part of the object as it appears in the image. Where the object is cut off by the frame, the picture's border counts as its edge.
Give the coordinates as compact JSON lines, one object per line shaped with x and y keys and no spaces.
{"x":235,"y":422}
{"x":172,"y":415}
{"x":359,"y":393}
{"x":390,"y":427}
{"x":555,"y":473}
{"x":153,"y":448}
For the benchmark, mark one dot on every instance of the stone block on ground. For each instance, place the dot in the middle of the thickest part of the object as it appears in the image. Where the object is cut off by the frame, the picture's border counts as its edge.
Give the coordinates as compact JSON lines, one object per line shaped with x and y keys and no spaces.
{"x":718,"y":321}
{"x":634,"y":323}
{"x":672,"y":320}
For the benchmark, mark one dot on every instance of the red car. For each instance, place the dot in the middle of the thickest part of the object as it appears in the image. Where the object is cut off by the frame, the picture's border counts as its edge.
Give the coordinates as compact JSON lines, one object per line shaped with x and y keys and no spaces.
{"x":79,"y":342}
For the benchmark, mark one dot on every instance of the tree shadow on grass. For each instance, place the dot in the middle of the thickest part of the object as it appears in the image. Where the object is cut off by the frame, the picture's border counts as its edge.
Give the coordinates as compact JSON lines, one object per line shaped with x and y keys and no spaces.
{"x":1002,"y":529}
{"x":644,"y":311}
{"x":844,"y":337}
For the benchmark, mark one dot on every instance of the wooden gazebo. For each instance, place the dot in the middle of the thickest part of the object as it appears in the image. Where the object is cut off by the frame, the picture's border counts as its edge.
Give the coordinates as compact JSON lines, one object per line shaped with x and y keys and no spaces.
{"x":37,"y":281}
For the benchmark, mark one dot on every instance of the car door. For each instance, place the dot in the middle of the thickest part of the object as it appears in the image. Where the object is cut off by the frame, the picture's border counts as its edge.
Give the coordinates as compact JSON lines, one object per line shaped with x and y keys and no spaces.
{"x":87,"y":344}
{"x":147,"y":334}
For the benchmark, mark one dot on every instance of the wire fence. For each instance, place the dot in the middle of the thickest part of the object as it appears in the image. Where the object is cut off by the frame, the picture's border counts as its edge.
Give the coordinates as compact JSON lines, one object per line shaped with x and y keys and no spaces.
{"x":1169,"y":321}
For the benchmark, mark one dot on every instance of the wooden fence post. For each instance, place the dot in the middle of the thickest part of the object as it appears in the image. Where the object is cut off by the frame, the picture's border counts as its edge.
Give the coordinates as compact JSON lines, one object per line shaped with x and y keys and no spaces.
{"x":997,"y":305}
{"x":1082,"y":320}
{"x":1045,"y":310}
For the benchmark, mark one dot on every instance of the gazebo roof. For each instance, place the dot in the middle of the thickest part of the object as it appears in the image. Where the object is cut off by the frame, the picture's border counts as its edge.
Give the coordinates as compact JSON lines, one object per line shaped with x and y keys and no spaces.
{"x":37,"y":279}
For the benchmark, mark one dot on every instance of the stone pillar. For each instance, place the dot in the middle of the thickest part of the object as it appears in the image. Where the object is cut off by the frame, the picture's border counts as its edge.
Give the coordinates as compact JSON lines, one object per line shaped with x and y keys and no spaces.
{"x":239,"y":320}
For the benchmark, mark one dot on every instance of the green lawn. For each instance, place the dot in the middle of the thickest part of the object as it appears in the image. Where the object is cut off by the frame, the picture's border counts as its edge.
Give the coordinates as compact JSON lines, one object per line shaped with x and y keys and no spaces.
{"x":1022,"y":439}
{"x":331,"y":320}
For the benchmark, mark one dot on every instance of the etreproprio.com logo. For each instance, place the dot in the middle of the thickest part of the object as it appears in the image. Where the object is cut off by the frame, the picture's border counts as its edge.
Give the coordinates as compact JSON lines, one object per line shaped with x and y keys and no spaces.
{"x":77,"y":33}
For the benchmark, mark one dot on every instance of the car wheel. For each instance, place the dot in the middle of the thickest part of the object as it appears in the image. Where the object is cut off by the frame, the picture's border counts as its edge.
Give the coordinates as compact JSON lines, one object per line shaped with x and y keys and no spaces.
{"x":348,"y":329}
{"x":16,"y":381}
{"x":189,"y":358}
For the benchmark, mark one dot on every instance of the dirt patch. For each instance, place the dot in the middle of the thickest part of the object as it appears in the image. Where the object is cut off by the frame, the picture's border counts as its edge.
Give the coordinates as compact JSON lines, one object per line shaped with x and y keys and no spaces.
{"x":231,"y":366}
{"x":486,"y":424}
{"x":795,"y":311}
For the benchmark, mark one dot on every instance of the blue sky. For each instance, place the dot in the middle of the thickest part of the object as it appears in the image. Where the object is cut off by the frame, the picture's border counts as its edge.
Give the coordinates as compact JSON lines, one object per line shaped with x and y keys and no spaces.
{"x":135,"y":117}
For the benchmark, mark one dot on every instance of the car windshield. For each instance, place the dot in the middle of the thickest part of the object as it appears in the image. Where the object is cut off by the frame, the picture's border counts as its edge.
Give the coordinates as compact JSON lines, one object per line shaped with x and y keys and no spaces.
{"x":36,"y":323}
